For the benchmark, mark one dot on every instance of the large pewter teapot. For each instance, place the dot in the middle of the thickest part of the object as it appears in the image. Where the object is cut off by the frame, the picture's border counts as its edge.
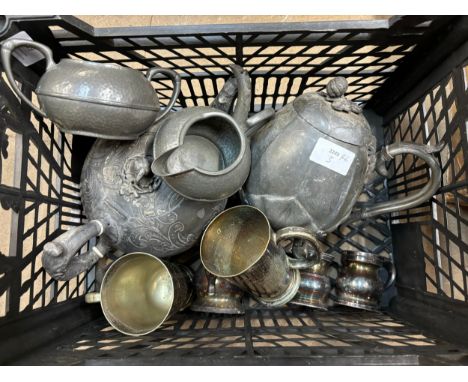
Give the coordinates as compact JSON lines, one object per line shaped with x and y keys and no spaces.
{"x":102,"y":100}
{"x":130,"y":208}
{"x":311,"y":162}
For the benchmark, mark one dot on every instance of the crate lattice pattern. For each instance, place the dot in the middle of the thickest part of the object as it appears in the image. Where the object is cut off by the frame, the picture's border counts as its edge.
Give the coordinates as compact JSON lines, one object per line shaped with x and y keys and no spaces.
{"x":282,"y":65}
{"x":273,"y":333}
{"x":39,"y":199}
{"x":440,"y":115}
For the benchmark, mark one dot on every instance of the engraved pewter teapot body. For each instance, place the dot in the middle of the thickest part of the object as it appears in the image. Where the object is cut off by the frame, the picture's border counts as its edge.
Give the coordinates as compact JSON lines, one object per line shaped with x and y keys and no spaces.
{"x":311,"y":162}
{"x":102,"y":100}
{"x":129,"y":207}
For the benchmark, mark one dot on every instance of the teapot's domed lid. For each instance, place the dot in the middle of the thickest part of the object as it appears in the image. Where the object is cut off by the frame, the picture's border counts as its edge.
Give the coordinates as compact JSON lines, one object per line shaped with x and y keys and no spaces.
{"x":333,"y":114}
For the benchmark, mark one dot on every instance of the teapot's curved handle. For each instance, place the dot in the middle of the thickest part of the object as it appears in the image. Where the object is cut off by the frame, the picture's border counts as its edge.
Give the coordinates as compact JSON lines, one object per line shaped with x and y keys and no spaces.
{"x":8,"y":47}
{"x":60,"y":259}
{"x":410,"y":201}
{"x":175,"y":77}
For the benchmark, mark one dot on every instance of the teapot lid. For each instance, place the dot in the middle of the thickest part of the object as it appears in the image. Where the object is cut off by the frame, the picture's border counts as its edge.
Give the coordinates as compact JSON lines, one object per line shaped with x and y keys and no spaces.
{"x":333,"y":114}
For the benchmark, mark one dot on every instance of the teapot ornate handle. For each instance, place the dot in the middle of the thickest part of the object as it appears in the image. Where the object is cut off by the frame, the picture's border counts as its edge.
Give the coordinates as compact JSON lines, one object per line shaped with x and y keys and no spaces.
{"x":60,"y":258}
{"x":410,"y":201}
{"x":175,"y":77}
{"x":8,"y":47}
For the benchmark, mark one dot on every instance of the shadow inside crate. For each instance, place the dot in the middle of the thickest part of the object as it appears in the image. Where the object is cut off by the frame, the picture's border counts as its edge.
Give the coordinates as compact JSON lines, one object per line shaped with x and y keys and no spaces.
{"x":283,"y":336}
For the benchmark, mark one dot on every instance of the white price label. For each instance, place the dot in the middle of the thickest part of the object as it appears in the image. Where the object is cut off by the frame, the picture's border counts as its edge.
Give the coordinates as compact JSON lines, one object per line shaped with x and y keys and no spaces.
{"x":332,"y":156}
{"x":26,"y":55}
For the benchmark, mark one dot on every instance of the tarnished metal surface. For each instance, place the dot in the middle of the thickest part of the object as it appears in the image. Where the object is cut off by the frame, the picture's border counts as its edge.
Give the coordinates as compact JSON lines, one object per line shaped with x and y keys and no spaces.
{"x":314,"y":289}
{"x":93,"y":99}
{"x":133,"y":209}
{"x":202,"y":153}
{"x":239,"y":246}
{"x":310,"y":163}
{"x":216,"y":295}
{"x":358,"y":284}
{"x":139,"y":292}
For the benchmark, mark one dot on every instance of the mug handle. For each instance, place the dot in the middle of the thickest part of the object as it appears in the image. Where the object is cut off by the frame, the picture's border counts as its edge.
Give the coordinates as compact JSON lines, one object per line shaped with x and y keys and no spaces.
{"x":388,"y":153}
{"x":8,"y":47}
{"x":300,"y":263}
{"x":390,"y":266}
{"x":298,"y":233}
{"x":175,"y":77}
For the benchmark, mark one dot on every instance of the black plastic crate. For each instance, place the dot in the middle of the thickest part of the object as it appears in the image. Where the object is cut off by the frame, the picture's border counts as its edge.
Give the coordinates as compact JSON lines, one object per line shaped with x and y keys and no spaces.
{"x":411,"y":73}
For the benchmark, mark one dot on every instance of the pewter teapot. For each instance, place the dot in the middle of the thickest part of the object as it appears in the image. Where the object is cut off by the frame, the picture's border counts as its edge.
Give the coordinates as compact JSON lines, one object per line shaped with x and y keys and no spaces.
{"x":311,"y":162}
{"x":102,"y":100}
{"x":130,"y":208}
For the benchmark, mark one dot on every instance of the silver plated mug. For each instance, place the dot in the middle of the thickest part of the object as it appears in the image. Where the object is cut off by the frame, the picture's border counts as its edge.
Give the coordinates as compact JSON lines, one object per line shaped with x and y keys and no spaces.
{"x":240,"y":246}
{"x":358,"y":284}
{"x":139,"y":292}
{"x":314,"y":289}
{"x":216,"y":295}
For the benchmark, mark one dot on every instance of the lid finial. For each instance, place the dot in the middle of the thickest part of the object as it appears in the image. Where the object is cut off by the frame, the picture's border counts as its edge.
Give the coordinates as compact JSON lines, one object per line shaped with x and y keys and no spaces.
{"x":337,"y":87}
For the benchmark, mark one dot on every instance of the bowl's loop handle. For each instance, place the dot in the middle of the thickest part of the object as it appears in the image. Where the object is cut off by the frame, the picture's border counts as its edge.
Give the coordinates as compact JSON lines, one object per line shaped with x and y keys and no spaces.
{"x":175,"y":77}
{"x":60,"y":258}
{"x":410,"y":201}
{"x":8,"y":47}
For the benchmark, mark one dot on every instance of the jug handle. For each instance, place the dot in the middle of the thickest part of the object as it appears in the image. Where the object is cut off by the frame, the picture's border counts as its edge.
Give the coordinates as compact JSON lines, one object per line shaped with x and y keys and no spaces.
{"x":244,"y":94}
{"x":8,"y":47}
{"x":60,"y":258}
{"x":410,"y":201}
{"x":175,"y":77}
{"x":258,"y":120}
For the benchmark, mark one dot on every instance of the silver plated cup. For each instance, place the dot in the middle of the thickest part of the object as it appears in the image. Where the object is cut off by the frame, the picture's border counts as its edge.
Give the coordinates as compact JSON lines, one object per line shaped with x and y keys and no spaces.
{"x":240,"y":246}
{"x":139,"y":292}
